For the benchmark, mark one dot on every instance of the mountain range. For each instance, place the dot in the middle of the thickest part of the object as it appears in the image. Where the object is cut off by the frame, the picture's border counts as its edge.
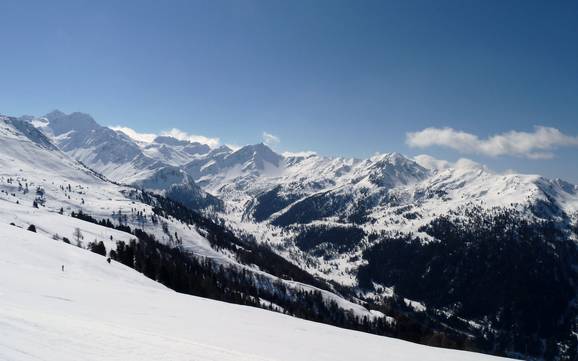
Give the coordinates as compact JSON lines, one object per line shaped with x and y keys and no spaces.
{"x":452,"y":255}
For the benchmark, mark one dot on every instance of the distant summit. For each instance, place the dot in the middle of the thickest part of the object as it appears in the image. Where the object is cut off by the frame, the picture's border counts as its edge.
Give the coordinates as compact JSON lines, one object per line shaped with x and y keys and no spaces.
{"x":61,"y":123}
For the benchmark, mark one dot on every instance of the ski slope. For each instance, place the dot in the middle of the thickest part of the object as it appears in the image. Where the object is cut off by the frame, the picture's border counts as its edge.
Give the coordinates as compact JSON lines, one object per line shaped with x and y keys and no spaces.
{"x":99,"y":311}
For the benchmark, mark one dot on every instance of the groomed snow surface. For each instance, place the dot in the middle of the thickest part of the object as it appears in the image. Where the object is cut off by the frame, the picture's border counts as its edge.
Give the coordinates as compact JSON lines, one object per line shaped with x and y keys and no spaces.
{"x":99,"y":311}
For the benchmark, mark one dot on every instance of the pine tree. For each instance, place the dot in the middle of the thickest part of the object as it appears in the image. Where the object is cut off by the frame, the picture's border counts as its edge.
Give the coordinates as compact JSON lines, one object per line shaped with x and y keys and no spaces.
{"x":97,"y":247}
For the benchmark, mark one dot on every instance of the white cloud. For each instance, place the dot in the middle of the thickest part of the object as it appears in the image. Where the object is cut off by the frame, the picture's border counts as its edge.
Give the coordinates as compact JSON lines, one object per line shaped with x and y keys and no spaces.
{"x":175,"y":133}
{"x":465,"y":163}
{"x":538,"y":144}
{"x":180,"y":135}
{"x":133,"y":134}
{"x":270,"y":139}
{"x":429,"y":162}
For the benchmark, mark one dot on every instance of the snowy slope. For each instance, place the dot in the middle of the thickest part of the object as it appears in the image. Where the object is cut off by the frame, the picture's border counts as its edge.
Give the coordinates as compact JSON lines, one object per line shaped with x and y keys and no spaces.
{"x":99,"y":311}
{"x":26,"y":166}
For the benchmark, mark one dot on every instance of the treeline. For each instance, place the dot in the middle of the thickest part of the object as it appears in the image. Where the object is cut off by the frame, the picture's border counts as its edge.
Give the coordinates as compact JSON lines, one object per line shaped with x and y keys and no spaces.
{"x":516,"y":277}
{"x":246,"y":248}
{"x":182,"y":272}
{"x":185,"y":273}
{"x":201,"y":277}
{"x":176,"y":269}
{"x":103,"y":222}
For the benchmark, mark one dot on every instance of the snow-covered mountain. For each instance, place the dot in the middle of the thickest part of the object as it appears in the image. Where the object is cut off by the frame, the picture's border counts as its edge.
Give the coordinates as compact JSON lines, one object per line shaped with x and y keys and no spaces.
{"x":47,"y":192}
{"x":173,"y":151}
{"x":450,"y":241}
{"x":42,"y":186}
{"x":120,"y":159}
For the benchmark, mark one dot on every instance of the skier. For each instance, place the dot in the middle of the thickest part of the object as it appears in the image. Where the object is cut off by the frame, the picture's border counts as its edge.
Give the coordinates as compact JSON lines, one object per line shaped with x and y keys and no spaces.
{"x":62,"y":268}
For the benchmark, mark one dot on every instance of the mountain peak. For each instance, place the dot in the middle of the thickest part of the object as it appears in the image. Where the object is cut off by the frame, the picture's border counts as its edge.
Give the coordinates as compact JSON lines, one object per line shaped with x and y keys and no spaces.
{"x":260,"y":149}
{"x":393,"y":158}
{"x":257,"y":154}
{"x":62,"y":123}
{"x":54,"y":114}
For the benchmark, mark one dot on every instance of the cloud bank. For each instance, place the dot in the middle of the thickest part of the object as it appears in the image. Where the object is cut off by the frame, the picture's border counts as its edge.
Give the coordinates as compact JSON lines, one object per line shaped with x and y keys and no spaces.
{"x":267,"y":138}
{"x":538,"y":144}
{"x":175,"y":133}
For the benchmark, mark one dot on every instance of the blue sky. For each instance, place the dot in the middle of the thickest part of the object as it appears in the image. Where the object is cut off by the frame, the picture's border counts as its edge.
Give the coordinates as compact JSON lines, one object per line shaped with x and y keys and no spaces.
{"x":338,"y":77}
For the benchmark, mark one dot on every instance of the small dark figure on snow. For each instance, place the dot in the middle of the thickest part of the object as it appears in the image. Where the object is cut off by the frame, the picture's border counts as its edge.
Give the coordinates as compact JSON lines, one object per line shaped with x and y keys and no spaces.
{"x":62,"y":268}
{"x":108,"y":259}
